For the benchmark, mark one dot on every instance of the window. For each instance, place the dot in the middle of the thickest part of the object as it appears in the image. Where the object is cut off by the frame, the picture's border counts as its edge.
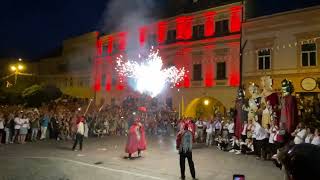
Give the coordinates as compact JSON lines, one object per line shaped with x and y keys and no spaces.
{"x":152,"y":40}
{"x":264,"y":59}
{"x":198,"y":32}
{"x":197,"y":72}
{"x":103,"y":80}
{"x":222,"y":27}
{"x":114,"y":81}
{"x":221,"y":71}
{"x":169,"y":102}
{"x":308,"y":54}
{"x":171,"y":36}
{"x":104,"y":50}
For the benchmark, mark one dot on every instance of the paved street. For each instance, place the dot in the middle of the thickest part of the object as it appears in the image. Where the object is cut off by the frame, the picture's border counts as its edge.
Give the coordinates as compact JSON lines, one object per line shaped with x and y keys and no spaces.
{"x":104,"y":159}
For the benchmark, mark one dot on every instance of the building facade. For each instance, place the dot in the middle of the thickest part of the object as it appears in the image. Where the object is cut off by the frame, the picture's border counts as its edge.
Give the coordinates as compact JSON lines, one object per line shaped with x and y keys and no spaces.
{"x":284,"y":45}
{"x":205,"y":42}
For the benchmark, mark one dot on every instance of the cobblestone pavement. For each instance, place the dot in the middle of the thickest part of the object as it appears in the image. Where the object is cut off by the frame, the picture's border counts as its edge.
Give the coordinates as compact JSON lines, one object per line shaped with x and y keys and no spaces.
{"x":104,"y":159}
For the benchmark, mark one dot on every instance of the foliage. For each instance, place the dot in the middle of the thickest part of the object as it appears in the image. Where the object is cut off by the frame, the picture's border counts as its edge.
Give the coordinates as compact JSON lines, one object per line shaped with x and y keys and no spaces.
{"x":35,"y":95}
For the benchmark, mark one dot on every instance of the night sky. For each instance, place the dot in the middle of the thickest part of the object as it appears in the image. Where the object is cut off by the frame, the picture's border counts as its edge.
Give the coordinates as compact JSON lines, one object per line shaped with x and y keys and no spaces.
{"x":34,"y":28}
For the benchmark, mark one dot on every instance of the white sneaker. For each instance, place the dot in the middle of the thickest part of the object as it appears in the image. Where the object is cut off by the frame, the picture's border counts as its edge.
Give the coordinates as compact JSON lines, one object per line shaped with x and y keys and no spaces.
{"x":238,"y":152}
{"x":232,"y":150}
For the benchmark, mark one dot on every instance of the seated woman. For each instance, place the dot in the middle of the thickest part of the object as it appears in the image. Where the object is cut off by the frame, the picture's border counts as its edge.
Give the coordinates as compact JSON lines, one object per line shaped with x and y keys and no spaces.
{"x":316,"y":138}
{"x":246,"y":147}
{"x":235,"y":144}
{"x":309,"y":136}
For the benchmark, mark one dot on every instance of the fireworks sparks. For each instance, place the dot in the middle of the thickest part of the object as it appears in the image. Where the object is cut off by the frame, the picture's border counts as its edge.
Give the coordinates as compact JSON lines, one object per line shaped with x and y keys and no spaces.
{"x":149,"y":75}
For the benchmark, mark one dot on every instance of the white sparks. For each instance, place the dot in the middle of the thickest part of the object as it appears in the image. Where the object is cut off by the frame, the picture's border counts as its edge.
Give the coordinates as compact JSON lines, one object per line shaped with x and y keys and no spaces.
{"x":149,"y":75}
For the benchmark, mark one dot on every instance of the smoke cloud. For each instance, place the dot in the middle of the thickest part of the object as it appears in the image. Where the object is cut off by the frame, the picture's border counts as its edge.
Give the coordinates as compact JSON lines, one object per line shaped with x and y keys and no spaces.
{"x":128,"y":16}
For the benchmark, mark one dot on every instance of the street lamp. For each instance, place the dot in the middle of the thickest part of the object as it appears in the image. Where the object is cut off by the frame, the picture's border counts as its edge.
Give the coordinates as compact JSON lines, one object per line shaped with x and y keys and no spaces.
{"x":16,"y":68}
{"x":206,"y":102}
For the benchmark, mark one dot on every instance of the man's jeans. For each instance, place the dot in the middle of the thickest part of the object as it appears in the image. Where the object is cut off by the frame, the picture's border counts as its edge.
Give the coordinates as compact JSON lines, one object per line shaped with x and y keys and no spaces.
{"x":43,"y":132}
{"x":7,"y":131}
{"x":34,"y":134}
{"x":183,"y":157}
{"x":209,"y":139}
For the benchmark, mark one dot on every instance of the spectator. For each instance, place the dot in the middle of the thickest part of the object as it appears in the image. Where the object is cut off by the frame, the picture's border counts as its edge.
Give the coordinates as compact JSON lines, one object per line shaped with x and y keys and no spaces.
{"x":24,"y":129}
{"x":17,"y":126}
{"x":244,"y":131}
{"x":200,"y":127}
{"x":1,"y":126}
{"x":262,"y":139}
{"x":209,"y":131}
{"x":316,"y":138}
{"x":309,"y":135}
{"x":9,"y":127}
{"x":271,"y":149}
{"x":246,"y":147}
{"x":299,"y":134}
{"x":301,"y":162}
{"x":231,"y":129}
{"x":35,"y":125}
{"x":44,"y":126}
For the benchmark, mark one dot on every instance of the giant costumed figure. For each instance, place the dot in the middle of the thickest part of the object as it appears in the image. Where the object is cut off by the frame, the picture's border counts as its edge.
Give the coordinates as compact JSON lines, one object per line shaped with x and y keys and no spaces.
{"x":136,"y":139}
{"x":289,"y":110}
{"x":270,"y":102}
{"x":254,"y":103}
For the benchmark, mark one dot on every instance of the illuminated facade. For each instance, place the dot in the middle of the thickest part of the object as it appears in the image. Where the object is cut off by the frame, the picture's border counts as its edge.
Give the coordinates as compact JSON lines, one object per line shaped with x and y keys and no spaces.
{"x":205,"y":42}
{"x":284,"y":45}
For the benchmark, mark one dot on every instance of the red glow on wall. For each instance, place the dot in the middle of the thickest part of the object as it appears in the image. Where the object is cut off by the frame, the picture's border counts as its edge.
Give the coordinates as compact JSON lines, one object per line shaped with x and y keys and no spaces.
{"x":208,"y":80}
{"x":235,"y":19}
{"x":188,"y":28}
{"x":122,"y":41}
{"x":97,"y":71}
{"x":186,"y":81}
{"x":108,"y":70}
{"x":184,"y":27}
{"x":110,"y":44}
{"x":162,"y":30}
{"x":142,"y":35}
{"x":99,"y":47}
{"x":234,"y":79}
{"x":180,"y":23}
{"x":209,"y":25}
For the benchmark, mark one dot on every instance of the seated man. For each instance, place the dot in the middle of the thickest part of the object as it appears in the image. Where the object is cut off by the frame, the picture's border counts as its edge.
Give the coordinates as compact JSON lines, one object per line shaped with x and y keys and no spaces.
{"x":246,"y":147}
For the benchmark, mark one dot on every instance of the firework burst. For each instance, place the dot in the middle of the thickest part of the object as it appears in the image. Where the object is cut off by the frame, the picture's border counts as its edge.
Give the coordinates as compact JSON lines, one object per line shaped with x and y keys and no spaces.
{"x":149,"y":74}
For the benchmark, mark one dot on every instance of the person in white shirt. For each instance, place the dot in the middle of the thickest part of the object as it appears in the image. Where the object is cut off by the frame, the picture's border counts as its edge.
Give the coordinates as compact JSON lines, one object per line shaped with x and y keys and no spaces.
{"x":271,"y":144}
{"x":244,"y":131}
{"x":209,"y":131}
{"x":316,"y":138}
{"x":299,"y":134}
{"x":79,"y":134}
{"x":17,"y":126}
{"x":261,"y":136}
{"x":217,"y":126}
{"x":200,"y":127}
{"x":23,"y":129}
{"x":309,"y":135}
{"x":1,"y":126}
{"x":231,"y":129}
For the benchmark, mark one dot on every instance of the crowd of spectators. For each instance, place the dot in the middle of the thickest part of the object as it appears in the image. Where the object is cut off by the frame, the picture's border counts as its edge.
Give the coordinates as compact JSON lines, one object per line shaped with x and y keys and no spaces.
{"x":255,"y":139}
{"x":57,"y":120}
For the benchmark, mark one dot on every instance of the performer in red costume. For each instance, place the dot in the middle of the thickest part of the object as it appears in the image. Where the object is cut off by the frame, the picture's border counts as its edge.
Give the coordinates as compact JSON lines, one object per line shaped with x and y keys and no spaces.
{"x":136,"y":139}
{"x":289,"y":112}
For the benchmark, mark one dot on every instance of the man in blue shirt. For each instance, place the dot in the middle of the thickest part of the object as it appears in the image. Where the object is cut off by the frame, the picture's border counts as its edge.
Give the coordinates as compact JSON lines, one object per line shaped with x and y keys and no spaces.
{"x":44,"y":125}
{"x":184,"y":145}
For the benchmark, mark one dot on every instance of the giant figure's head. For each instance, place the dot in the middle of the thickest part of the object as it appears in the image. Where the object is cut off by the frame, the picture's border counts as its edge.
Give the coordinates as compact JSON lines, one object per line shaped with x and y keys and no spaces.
{"x":287,"y":87}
